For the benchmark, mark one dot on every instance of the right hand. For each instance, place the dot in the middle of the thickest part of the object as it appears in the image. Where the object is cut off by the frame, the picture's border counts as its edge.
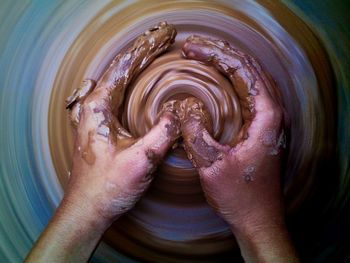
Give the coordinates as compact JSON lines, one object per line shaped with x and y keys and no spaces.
{"x":242,"y":183}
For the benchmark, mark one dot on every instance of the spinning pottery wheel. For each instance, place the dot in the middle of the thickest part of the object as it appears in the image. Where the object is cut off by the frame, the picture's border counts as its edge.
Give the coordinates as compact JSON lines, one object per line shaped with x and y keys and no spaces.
{"x":43,"y":61}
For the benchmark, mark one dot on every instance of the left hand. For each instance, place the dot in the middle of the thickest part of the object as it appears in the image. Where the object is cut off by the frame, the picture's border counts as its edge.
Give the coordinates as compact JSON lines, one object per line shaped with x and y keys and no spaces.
{"x":111,"y":169}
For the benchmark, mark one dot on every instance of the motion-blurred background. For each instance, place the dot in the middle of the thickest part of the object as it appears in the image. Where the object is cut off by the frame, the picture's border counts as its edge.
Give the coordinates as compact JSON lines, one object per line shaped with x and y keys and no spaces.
{"x":48,"y":47}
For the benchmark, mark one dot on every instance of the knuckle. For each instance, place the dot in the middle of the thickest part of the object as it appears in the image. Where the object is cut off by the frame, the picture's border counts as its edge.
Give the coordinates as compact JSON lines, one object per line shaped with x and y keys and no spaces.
{"x":84,"y":111}
{"x":272,"y":115}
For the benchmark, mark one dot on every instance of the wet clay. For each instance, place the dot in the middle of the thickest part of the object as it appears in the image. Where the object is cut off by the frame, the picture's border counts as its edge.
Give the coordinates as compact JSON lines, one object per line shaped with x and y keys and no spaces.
{"x":154,"y":160}
{"x":124,"y":67}
{"x":173,"y":77}
{"x":172,"y":222}
{"x":240,"y":68}
{"x":73,"y":102}
{"x":192,"y":88}
{"x":87,"y":153}
{"x":195,"y":120}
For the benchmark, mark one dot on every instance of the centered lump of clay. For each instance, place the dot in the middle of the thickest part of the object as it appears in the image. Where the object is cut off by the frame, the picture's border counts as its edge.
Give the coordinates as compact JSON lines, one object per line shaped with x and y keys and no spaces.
{"x":216,"y":92}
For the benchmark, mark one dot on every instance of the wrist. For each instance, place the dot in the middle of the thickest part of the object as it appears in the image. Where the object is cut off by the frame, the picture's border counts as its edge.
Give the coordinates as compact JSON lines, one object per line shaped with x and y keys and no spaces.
{"x":265,"y":240}
{"x":81,"y":211}
{"x":71,"y":235}
{"x":256,"y":222}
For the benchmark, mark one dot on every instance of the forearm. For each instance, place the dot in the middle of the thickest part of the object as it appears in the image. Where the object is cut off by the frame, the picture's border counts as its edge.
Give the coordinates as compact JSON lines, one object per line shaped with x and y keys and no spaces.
{"x":71,"y":236}
{"x":268,"y":243}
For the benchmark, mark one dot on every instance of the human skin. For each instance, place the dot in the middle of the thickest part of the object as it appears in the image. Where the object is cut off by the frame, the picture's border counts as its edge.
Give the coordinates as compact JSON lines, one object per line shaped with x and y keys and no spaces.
{"x":242,"y":183}
{"x":106,"y":181}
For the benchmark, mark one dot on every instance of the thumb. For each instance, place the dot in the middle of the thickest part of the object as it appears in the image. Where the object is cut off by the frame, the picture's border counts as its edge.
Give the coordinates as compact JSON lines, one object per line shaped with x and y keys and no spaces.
{"x":160,"y":138}
{"x":196,"y":126}
{"x":73,"y":102}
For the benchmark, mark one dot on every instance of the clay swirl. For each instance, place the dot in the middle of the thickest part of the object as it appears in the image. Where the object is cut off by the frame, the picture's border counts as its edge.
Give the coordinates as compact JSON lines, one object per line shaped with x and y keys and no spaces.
{"x":175,"y":82}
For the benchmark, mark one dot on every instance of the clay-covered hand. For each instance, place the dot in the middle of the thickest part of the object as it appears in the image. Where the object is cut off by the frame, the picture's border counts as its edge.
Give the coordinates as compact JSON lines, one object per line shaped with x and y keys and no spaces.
{"x":110,"y":168}
{"x":242,"y":183}
{"x":238,"y":181}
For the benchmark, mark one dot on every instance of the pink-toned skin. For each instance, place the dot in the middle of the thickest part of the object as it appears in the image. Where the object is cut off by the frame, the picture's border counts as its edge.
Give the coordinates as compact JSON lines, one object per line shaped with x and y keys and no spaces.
{"x":242,"y":183}
{"x":111,"y":170}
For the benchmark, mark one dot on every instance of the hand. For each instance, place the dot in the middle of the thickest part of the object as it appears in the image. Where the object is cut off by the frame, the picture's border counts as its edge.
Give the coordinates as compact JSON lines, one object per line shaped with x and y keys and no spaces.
{"x":105,"y":173}
{"x":242,"y":183}
{"x":111,"y":169}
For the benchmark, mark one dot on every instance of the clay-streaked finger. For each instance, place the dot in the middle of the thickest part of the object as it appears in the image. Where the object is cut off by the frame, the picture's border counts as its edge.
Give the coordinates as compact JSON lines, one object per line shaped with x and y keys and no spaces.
{"x":73,"y":102}
{"x":159,"y":139}
{"x":101,"y":106}
{"x":259,"y":110}
{"x":196,"y":128}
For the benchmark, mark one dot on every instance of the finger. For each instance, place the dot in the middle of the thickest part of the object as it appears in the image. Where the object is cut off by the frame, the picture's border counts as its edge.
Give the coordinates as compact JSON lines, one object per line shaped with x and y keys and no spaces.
{"x":196,"y":126}
{"x":103,"y":103}
{"x":160,"y":138}
{"x":260,"y":112}
{"x":74,"y":101}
